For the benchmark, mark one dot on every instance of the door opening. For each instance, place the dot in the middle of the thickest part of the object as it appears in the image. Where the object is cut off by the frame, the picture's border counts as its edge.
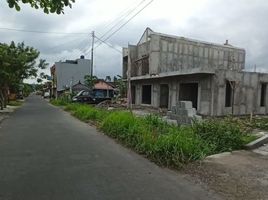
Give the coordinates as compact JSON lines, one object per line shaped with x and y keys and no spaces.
{"x":164,"y":95}
{"x":189,"y":92}
{"x":133,"y":94}
{"x":146,"y":94}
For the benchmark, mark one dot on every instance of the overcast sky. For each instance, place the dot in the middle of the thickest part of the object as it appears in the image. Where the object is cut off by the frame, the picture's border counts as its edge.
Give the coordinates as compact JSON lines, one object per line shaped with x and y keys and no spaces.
{"x":243,"y":22}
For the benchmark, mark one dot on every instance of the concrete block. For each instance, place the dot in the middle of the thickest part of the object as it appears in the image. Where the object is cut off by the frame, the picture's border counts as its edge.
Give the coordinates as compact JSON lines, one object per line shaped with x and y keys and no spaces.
{"x":186,"y":112}
{"x":172,"y":122}
{"x":257,"y":143}
{"x":173,"y":116}
{"x":174,"y":109}
{"x":184,"y":120}
{"x":197,"y":118}
{"x":185,"y":104}
{"x":169,"y":113}
{"x":190,"y":112}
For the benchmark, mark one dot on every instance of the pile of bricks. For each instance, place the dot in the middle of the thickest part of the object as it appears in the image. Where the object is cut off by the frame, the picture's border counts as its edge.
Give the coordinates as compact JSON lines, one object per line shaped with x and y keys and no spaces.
{"x":183,"y":112}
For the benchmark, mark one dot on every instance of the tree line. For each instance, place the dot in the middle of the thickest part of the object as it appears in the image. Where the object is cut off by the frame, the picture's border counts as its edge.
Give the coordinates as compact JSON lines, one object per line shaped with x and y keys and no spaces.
{"x":17,"y":62}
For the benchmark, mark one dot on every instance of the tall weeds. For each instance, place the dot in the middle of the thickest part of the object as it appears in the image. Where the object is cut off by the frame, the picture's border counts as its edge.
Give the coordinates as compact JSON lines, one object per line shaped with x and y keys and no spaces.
{"x":164,"y":144}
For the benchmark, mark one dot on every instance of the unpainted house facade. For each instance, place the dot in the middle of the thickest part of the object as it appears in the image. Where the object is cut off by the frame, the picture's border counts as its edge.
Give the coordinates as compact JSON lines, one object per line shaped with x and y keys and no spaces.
{"x":68,"y":73}
{"x":165,"y":69}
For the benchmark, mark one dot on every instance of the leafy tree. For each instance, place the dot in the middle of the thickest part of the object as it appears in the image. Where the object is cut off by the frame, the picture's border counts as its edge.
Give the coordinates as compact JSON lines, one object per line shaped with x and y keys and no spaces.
{"x":17,"y":62}
{"x":39,"y":80}
{"x":90,"y":80}
{"x":108,"y":79}
{"x":27,"y":89}
{"x":121,"y":85}
{"x":48,"y":6}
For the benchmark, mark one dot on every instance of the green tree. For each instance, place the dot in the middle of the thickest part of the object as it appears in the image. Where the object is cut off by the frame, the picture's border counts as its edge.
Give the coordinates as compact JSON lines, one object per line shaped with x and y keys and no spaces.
{"x":90,"y":80}
{"x":121,"y":85}
{"x":27,"y":89}
{"x":17,"y":62}
{"x":48,"y":6}
{"x":108,"y":79}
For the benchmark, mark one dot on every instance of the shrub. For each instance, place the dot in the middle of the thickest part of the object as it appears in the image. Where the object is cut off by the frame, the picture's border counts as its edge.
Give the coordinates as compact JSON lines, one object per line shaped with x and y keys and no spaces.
{"x":164,"y":144}
{"x":14,"y":103}
{"x":221,"y":135}
{"x":123,"y":125}
{"x":60,"y":102}
{"x":167,"y":145}
{"x":86,"y":112}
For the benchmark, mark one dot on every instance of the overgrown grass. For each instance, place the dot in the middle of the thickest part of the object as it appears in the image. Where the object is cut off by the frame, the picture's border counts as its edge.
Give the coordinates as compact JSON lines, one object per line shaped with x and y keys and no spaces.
{"x":15,"y":103}
{"x":221,"y":135}
{"x":86,"y":112}
{"x":59,"y":102}
{"x":164,"y":144}
{"x":247,"y":124}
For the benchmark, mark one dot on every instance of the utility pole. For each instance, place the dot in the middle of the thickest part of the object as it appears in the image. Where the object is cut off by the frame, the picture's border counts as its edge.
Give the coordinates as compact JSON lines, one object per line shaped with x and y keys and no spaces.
{"x":92,"y":54}
{"x":129,"y":93}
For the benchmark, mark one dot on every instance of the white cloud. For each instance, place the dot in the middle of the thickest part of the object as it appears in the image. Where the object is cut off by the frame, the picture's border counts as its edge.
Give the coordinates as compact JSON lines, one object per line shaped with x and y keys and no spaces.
{"x":242,"y":22}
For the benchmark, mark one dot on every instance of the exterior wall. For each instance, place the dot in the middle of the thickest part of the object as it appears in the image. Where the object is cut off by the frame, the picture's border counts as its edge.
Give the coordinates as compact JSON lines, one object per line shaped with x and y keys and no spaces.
{"x":125,"y":63}
{"x":212,"y":91}
{"x":246,"y":96}
{"x":204,"y":91}
{"x":180,"y":54}
{"x":68,"y":74}
{"x":177,"y":54}
{"x":175,"y":60}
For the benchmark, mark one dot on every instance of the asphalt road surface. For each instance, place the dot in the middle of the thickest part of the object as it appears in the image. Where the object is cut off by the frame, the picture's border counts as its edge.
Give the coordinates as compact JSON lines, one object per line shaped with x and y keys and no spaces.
{"x":46,"y":154}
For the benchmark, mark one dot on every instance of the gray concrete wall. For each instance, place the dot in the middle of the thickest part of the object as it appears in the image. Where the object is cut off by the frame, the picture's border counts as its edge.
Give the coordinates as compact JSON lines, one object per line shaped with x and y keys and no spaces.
{"x":70,"y":73}
{"x":204,"y":91}
{"x":247,"y":93}
{"x":177,"y":54}
{"x":174,"y":60}
{"x":212,"y":91}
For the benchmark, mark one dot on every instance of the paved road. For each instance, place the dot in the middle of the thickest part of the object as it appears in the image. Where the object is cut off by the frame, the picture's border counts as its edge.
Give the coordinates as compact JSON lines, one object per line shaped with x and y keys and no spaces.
{"x":46,"y":154}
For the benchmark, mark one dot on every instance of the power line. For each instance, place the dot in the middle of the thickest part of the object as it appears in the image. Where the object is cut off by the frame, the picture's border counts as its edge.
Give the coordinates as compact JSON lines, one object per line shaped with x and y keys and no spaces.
{"x":126,"y":22}
{"x":129,"y":12}
{"x":120,"y":15}
{"x":42,"y":32}
{"x":80,"y":41}
{"x":108,"y":44}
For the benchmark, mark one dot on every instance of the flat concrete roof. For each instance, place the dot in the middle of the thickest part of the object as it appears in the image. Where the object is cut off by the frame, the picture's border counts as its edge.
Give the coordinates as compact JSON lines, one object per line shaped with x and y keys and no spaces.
{"x":176,"y":73}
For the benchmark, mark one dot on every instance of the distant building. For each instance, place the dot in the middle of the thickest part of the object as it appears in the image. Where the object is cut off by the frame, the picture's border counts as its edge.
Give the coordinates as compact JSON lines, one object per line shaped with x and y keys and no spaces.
{"x":103,"y":89}
{"x":79,"y":86}
{"x":66,"y":74}
{"x":165,"y":69}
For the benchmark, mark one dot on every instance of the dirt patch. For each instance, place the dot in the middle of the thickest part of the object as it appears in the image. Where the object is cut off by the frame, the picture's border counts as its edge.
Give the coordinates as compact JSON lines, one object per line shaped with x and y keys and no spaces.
{"x":241,"y":175}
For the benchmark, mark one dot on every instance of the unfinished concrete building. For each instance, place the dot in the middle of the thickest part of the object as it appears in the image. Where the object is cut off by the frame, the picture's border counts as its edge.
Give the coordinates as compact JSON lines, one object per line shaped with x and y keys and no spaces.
{"x":165,"y":69}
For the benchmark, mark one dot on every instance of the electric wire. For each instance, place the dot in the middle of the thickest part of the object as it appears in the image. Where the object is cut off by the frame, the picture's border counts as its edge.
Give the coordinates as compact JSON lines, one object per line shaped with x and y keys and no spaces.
{"x":40,"y":32}
{"x":126,"y":22}
{"x":121,"y":20}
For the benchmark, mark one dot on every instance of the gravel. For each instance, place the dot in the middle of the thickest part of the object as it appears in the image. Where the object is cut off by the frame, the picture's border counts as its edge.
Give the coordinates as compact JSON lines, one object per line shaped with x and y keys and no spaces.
{"x":241,"y":175}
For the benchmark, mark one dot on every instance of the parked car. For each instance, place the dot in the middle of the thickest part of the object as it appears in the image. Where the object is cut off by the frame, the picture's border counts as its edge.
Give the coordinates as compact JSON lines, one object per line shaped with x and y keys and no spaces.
{"x":19,"y":96}
{"x":46,"y":95}
{"x":89,"y":97}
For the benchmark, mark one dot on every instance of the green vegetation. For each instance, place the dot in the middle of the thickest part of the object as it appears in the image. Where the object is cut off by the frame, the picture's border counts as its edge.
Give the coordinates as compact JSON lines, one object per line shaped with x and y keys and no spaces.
{"x":164,"y":144}
{"x":48,"y":6}
{"x":64,"y":101}
{"x":15,"y":103}
{"x":17,"y":62}
{"x":248,"y":124}
{"x":221,"y":135}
